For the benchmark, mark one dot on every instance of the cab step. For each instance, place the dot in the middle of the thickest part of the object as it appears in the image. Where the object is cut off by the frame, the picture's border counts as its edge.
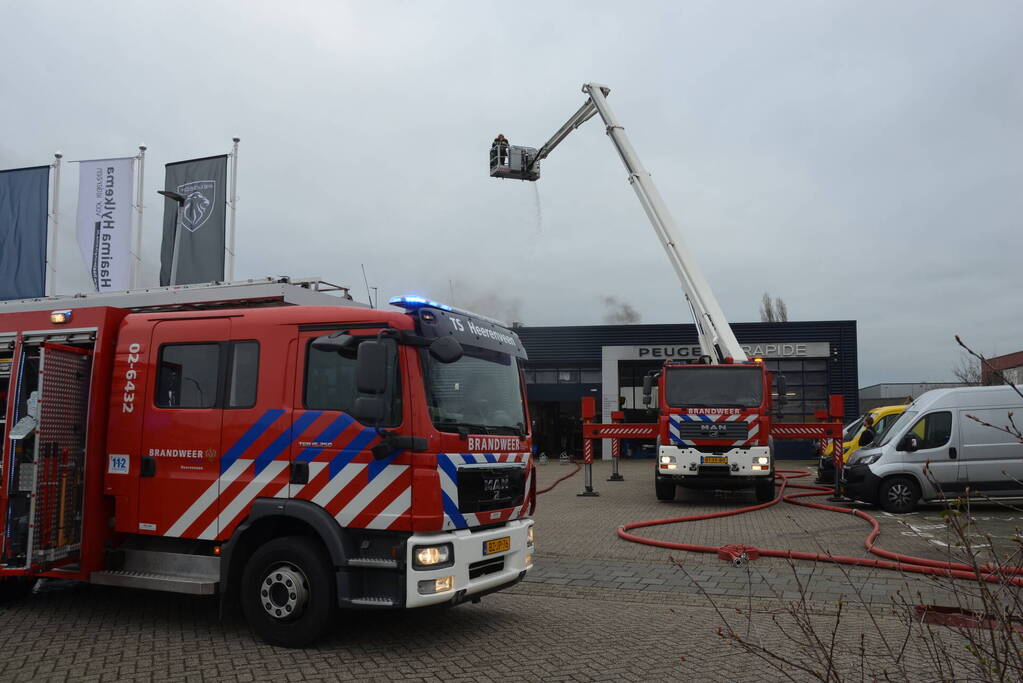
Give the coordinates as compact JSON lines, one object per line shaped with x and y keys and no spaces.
{"x":370,"y":601}
{"x":193,"y":585}
{"x":161,"y":571}
{"x":375,"y":562}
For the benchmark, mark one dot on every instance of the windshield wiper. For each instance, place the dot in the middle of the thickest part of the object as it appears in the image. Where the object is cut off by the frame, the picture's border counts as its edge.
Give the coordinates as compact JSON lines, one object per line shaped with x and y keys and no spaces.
{"x":463,"y":428}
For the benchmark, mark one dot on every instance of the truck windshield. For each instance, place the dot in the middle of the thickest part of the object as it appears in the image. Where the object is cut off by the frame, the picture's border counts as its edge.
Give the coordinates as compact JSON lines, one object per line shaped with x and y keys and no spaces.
{"x":703,"y":386}
{"x":479,"y":393}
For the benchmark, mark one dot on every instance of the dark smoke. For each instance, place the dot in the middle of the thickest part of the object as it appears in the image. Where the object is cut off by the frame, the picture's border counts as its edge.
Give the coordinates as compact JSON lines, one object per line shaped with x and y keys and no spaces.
{"x":620,"y":312}
{"x":485,"y":302}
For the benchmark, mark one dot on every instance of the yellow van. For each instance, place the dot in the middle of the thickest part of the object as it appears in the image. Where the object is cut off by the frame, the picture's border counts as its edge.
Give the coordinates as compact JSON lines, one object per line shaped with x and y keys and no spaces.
{"x":877,"y":419}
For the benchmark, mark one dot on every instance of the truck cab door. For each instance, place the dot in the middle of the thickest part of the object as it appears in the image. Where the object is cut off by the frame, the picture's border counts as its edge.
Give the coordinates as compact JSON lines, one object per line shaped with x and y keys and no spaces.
{"x":257,"y":424}
{"x":181,"y":434}
{"x":332,"y":461}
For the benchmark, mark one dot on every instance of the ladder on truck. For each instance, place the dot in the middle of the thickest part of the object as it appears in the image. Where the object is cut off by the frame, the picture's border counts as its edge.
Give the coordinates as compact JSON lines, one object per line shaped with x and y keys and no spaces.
{"x":269,"y":291}
{"x":716,"y":337}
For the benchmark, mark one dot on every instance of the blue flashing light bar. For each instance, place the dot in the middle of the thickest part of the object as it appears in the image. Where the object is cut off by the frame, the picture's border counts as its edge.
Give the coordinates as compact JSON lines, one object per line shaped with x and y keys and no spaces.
{"x":412,"y":302}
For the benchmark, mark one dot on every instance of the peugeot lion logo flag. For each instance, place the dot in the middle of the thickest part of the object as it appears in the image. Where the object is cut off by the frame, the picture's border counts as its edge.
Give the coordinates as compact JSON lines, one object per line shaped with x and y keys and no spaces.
{"x":202,"y":218}
{"x":199,"y":197}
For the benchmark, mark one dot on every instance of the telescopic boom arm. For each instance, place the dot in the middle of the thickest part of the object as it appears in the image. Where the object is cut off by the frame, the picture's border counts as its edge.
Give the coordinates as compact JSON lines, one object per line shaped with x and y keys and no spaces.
{"x":716,"y":336}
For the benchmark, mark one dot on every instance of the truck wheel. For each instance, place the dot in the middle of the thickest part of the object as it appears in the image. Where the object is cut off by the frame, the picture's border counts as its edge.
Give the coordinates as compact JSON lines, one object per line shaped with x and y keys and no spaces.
{"x":665,"y":489}
{"x":15,"y":588}
{"x":288,"y":591}
{"x":764,"y":489}
{"x":898,"y":495}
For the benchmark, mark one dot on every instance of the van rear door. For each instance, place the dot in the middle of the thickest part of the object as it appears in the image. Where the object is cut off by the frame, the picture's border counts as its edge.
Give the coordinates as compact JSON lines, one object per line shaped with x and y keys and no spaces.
{"x":993,"y":458}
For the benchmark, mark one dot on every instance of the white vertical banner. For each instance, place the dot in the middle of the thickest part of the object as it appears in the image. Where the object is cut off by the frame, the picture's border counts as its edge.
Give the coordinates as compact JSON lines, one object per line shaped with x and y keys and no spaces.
{"x":105,"y":188}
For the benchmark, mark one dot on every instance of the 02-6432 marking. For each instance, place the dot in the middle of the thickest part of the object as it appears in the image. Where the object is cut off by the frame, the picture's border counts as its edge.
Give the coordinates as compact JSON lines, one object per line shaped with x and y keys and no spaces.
{"x":130,"y":375}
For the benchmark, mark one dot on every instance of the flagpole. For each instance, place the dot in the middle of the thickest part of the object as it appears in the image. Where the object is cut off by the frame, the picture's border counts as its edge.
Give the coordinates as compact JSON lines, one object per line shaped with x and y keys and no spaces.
{"x":141,"y":160}
{"x":54,"y":219}
{"x":233,"y":203}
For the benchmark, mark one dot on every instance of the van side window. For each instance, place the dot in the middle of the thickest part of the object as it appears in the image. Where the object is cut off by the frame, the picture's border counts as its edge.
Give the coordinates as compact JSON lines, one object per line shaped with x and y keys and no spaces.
{"x":188,"y":376}
{"x":933,"y":430}
{"x":330,"y":382}
{"x":243,"y":378}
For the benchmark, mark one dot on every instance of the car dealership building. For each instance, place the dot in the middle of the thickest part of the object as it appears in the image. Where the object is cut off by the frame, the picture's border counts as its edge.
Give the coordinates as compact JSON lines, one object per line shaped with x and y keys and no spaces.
{"x":608,"y":362}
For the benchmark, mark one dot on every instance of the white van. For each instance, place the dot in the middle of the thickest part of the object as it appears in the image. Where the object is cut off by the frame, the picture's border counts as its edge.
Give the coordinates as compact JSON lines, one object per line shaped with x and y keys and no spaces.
{"x":936,"y":450}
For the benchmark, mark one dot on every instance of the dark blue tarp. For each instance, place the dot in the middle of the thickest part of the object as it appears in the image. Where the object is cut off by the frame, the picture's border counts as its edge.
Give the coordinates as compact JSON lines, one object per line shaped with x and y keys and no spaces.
{"x":24,"y":200}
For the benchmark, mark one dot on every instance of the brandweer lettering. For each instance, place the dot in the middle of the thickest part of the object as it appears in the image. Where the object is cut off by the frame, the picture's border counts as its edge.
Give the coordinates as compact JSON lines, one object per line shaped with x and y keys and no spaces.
{"x":175,"y":453}
{"x":494,"y":443}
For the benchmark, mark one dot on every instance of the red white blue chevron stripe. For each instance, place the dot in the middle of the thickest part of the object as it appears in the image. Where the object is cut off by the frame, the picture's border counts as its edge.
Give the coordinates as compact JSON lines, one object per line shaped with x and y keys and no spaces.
{"x":675,"y":422}
{"x":344,"y":478}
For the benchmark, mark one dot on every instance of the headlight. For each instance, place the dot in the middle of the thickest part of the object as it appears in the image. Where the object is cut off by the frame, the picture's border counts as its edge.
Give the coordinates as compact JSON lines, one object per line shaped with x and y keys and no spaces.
{"x":441,"y":585}
{"x":868,"y":459}
{"x":529,"y":537}
{"x":666,"y":459}
{"x":432,"y":556}
{"x":763,"y":460}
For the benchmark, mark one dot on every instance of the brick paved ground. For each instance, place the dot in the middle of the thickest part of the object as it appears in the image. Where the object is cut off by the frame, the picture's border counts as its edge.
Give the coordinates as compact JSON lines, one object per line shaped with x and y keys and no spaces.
{"x":533,"y":632}
{"x":595,"y":608}
{"x":577,"y":544}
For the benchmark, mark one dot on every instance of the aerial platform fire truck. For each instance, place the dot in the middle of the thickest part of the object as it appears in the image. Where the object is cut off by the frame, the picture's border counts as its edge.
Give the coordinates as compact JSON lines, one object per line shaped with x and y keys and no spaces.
{"x":272,"y":442}
{"x":714,"y":426}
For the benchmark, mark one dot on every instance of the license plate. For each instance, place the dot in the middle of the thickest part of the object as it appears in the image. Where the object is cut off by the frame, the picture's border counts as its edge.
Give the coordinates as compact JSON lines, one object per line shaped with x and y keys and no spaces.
{"x":498,"y":545}
{"x":722,"y":459}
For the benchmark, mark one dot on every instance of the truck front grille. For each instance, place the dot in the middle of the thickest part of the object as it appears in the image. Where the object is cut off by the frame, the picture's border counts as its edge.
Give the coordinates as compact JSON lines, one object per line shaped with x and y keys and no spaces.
{"x":484,"y":567}
{"x":490,"y":488}
{"x":724,"y":431}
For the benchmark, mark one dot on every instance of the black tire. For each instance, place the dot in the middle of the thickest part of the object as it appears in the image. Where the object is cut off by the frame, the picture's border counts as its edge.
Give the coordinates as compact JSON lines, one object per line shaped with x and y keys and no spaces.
{"x":15,"y":588}
{"x":665,"y":489}
{"x":764,"y":489}
{"x":898,"y":495}
{"x":288,"y":591}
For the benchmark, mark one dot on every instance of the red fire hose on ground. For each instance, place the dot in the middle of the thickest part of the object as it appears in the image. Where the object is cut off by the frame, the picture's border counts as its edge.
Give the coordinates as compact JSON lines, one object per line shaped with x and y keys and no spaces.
{"x":897,"y":561}
{"x":578,"y":467}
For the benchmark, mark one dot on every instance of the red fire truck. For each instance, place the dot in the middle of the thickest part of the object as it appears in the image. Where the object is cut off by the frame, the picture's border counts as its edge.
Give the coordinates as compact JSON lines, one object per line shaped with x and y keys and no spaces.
{"x":713,"y":427}
{"x":271,"y":442}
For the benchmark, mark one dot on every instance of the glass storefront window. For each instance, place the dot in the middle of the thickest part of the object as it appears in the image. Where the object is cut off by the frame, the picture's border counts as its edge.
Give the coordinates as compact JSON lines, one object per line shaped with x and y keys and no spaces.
{"x":546,"y":377}
{"x":569,"y":376}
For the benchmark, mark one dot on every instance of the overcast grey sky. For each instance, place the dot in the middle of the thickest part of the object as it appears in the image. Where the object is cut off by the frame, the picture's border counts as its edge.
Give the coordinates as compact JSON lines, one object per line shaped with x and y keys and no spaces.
{"x":861,"y":160}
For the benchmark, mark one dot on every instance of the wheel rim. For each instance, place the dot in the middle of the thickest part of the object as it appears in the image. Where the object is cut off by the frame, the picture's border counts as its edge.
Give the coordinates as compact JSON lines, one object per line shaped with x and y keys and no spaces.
{"x":284,"y":592}
{"x":900,"y":495}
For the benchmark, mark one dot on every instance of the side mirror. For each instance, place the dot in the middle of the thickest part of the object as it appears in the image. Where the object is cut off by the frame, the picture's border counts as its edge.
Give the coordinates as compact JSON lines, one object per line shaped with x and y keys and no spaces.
{"x":909,"y":443}
{"x":369,"y":409}
{"x":371,"y":368}
{"x":446,"y":349}
{"x":335,"y":341}
{"x":782,"y":385}
{"x":648,"y":390}
{"x":867,"y":437}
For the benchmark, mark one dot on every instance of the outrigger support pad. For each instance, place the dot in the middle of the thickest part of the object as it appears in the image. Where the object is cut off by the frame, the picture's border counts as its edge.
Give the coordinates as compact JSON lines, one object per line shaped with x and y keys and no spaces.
{"x":519,"y":164}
